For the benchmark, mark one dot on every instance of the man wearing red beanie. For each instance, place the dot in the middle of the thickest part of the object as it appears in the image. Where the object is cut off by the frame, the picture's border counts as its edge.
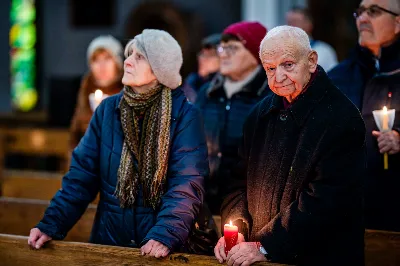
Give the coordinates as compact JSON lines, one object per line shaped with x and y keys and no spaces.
{"x":226,"y":101}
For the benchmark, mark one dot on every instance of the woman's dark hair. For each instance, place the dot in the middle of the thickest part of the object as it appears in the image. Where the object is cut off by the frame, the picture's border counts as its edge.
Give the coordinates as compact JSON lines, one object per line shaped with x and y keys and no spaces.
{"x":229,"y":37}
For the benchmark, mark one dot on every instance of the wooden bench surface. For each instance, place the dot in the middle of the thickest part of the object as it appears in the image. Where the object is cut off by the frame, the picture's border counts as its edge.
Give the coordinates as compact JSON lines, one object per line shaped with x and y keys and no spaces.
{"x":36,"y":141}
{"x":19,"y":216}
{"x":14,"y":251}
{"x":31,"y":185}
{"x":382,"y":248}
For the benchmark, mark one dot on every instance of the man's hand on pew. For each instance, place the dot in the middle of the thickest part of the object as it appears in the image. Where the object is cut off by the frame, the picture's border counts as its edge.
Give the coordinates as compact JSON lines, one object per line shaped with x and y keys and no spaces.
{"x":37,"y":238}
{"x":155,"y":249}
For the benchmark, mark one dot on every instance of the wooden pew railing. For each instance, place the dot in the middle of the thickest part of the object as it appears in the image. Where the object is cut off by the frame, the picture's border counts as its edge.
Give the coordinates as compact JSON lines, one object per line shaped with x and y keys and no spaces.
{"x":14,"y":251}
{"x":28,"y":141}
{"x":19,"y":216}
{"x":31,"y":185}
{"x":382,"y":248}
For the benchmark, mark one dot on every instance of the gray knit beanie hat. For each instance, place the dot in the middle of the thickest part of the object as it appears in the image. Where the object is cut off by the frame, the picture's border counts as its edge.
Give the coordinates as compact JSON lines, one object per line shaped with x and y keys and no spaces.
{"x":109,"y":43}
{"x":162,"y":52}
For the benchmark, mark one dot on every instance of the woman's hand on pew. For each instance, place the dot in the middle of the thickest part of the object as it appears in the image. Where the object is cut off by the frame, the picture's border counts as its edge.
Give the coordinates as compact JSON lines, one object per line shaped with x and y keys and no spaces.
{"x":37,"y":238}
{"x":155,"y":249}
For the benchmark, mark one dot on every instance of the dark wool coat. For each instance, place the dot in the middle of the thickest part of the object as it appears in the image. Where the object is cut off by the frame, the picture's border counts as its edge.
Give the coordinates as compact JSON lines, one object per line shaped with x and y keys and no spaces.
{"x":223,"y":125}
{"x":368,"y":85}
{"x":382,"y":186}
{"x":298,"y":186}
{"x":352,"y":74}
{"x":94,"y":168}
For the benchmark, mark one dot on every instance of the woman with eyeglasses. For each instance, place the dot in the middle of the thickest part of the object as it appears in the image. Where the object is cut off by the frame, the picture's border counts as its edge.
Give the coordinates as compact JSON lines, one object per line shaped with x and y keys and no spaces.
{"x":144,"y":151}
{"x":226,"y":101}
{"x":370,"y":77}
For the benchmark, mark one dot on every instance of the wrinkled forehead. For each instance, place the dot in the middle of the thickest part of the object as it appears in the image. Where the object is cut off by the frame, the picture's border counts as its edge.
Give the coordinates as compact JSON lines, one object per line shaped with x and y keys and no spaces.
{"x":281,"y":47}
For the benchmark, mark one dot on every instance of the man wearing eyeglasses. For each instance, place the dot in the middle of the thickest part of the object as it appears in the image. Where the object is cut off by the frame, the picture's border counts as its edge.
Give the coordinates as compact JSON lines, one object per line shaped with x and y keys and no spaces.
{"x":227,"y":100}
{"x":370,"y":77}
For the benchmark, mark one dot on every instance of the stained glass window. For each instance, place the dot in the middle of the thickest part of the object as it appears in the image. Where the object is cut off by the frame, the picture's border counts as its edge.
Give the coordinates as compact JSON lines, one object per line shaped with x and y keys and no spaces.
{"x":23,"y":54}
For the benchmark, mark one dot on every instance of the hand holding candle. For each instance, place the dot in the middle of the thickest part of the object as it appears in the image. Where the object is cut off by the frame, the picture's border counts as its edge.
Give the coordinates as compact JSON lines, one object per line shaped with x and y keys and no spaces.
{"x":96,"y":98}
{"x":384,"y":120}
{"x":231,"y":233}
{"x":385,"y":127}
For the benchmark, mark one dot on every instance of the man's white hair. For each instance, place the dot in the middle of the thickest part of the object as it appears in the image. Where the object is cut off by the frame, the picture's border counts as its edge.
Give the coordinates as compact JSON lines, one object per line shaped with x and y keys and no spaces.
{"x":294,"y":33}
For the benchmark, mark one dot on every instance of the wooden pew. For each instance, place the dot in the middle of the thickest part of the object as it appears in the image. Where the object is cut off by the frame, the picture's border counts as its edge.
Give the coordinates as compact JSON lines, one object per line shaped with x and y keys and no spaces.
{"x":15,"y":251}
{"x":36,"y":141}
{"x":28,"y":141}
{"x":382,"y":248}
{"x":32,"y":185}
{"x":19,"y":216}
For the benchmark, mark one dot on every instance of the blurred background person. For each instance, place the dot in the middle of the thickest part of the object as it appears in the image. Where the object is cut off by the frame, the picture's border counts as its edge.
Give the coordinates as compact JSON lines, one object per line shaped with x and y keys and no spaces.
{"x":208,"y":66}
{"x":370,"y":77}
{"x":104,"y":57}
{"x":227,"y":99}
{"x":301,"y":17}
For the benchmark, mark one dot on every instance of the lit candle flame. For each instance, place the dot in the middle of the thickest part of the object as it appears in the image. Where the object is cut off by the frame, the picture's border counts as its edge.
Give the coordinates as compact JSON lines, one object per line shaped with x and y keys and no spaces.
{"x":230,"y":223}
{"x":98,"y":95}
{"x":384,"y":110}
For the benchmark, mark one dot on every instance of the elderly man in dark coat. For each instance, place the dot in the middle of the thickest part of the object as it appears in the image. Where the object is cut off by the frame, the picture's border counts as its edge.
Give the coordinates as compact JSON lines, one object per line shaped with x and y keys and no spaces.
{"x":297,"y":195}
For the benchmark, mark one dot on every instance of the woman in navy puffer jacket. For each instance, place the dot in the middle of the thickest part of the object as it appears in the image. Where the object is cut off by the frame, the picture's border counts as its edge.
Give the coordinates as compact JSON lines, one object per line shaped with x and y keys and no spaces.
{"x":146,"y":153}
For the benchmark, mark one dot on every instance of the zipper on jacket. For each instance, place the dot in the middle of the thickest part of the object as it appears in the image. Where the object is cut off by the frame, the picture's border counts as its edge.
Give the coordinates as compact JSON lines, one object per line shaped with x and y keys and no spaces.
{"x":223,"y":136}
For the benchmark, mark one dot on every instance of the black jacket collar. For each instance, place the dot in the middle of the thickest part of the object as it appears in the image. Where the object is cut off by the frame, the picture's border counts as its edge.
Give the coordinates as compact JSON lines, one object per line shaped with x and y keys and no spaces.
{"x":388,"y":62}
{"x":390,"y":57}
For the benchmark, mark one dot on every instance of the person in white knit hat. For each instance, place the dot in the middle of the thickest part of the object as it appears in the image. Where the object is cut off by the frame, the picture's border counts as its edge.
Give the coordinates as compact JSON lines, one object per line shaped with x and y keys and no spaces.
{"x":108,"y":43}
{"x":144,"y":151}
{"x":104,"y":58}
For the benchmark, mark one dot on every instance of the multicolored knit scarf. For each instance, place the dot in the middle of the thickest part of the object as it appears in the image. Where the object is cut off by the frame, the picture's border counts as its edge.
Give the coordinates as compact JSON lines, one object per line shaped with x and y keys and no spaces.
{"x":146,"y":120}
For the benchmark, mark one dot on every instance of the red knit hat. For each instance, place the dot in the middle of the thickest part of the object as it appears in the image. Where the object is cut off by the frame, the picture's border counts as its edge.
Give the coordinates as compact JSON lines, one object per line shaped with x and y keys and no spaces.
{"x":250,"y":33}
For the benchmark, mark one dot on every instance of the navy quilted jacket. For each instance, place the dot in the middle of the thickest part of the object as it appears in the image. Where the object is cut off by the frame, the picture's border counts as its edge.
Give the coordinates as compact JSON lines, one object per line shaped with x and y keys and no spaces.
{"x":94,"y":169}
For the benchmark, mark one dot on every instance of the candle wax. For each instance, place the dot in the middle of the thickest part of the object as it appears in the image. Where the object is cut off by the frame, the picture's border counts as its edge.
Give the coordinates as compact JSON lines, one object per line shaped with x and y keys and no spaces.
{"x":385,"y":127}
{"x":385,"y":119}
{"x":231,"y":236}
